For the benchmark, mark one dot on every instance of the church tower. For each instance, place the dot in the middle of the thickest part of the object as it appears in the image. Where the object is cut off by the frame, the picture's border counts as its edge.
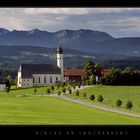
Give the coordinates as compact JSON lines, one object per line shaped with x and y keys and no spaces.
{"x":60,"y":61}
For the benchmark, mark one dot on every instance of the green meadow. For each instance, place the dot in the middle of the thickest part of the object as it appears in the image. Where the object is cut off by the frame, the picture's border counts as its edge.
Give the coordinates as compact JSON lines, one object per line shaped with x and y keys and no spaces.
{"x":52,"y":110}
{"x":111,"y":94}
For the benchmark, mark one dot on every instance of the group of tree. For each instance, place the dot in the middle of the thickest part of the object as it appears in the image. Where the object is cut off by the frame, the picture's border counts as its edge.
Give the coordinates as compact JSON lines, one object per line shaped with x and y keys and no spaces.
{"x":127,"y":76}
{"x":116,"y":76}
{"x":91,"y":70}
{"x":10,"y":75}
{"x":129,"y":104}
{"x":100,"y":98}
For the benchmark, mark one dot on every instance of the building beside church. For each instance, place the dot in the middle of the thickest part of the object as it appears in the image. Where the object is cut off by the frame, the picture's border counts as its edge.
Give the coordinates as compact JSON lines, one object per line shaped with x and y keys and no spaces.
{"x":3,"y":83}
{"x":73,"y":75}
{"x":30,"y":75}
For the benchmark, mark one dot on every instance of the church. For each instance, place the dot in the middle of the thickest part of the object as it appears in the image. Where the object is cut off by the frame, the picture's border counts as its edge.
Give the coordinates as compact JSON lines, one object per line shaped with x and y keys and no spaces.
{"x":30,"y":75}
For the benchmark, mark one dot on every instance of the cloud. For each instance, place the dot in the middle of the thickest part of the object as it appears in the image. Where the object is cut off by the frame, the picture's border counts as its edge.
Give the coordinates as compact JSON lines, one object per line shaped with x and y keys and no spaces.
{"x":115,"y":21}
{"x":78,"y":11}
{"x":63,"y":11}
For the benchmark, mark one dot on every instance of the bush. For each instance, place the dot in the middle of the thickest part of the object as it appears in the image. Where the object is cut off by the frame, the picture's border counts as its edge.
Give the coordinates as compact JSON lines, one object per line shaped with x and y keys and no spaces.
{"x":69,"y":90}
{"x":63,"y":89}
{"x":63,"y":84}
{"x":52,"y":87}
{"x":100,"y":98}
{"x":48,"y":90}
{"x":129,"y":105}
{"x":7,"y":89}
{"x":58,"y":86}
{"x":35,"y":90}
{"x":59,"y":93}
{"x":79,"y":85}
{"x":92,"y":97}
{"x":84,"y":94}
{"x":77,"y":92}
{"x":118,"y":102}
{"x":73,"y":87}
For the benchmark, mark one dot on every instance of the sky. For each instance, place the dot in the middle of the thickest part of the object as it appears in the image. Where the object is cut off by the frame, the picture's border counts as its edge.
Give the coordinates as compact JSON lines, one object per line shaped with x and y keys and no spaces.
{"x":118,"y":22}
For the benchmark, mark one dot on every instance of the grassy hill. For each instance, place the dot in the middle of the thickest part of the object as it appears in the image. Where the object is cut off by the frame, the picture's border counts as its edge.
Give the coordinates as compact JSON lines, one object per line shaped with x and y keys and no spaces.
{"x":111,"y":94}
{"x":51,"y":110}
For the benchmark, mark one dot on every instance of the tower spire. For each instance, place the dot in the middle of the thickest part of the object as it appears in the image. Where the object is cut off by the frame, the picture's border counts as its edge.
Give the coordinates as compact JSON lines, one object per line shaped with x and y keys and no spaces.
{"x":59,"y":50}
{"x":60,"y":60}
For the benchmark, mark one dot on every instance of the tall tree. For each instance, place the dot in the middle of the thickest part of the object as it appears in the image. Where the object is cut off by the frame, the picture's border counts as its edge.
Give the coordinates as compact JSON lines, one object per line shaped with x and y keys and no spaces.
{"x":88,"y":76}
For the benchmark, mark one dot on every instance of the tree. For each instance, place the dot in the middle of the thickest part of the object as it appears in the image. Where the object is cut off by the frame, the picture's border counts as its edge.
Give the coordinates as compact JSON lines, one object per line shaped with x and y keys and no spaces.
{"x":88,"y":76}
{"x":73,"y":87}
{"x":118,"y":102}
{"x":48,"y":90}
{"x":79,"y":85}
{"x":129,"y":105}
{"x":92,"y":97}
{"x":128,"y":76}
{"x":100,"y":98}
{"x":11,"y":80}
{"x":58,"y":86}
{"x":35,"y":90}
{"x":92,"y":80}
{"x":77,"y":92}
{"x":7,"y":83}
{"x":59,"y":93}
{"x":63,"y":89}
{"x":69,"y":90}
{"x":52,"y":88}
{"x":98,"y":69}
{"x":84,"y":94}
{"x":63,"y":84}
{"x":7,"y":90}
{"x":128,"y":70}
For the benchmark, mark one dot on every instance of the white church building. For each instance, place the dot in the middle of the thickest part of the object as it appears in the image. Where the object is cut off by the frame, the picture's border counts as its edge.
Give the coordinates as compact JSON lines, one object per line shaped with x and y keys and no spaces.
{"x":30,"y":75}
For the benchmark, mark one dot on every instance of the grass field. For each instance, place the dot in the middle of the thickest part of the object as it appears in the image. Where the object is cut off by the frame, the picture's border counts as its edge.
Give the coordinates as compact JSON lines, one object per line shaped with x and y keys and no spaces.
{"x":52,"y":110}
{"x":40,"y":90}
{"x":111,"y":94}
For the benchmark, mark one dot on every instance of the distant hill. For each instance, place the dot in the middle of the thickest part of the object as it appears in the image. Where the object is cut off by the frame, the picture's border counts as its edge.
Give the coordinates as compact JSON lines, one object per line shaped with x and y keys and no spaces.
{"x":83,"y":39}
{"x":12,"y":56}
{"x":122,"y":46}
{"x":68,"y":38}
{"x":36,"y":46}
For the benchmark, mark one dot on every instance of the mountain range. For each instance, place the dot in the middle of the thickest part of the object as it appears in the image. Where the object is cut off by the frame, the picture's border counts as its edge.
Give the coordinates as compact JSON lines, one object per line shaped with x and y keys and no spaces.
{"x":68,"y":38}
{"x":76,"y":43}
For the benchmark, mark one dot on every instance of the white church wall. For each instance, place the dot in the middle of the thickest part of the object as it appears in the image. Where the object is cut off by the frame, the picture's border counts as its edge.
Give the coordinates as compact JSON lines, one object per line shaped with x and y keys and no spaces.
{"x":45,"y":79}
{"x":2,"y":87}
{"x":27,"y":82}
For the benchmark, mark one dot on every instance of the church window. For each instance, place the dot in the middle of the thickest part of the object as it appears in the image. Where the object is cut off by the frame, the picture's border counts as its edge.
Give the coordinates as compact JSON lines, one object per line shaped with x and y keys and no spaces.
{"x":56,"y":78}
{"x":38,"y":79}
{"x":45,"y":80}
{"x":50,"y":79}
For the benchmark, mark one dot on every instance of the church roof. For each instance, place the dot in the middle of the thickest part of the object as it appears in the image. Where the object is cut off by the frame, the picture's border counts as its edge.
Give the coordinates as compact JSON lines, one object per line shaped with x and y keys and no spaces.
{"x":73,"y":72}
{"x":27,"y":70}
